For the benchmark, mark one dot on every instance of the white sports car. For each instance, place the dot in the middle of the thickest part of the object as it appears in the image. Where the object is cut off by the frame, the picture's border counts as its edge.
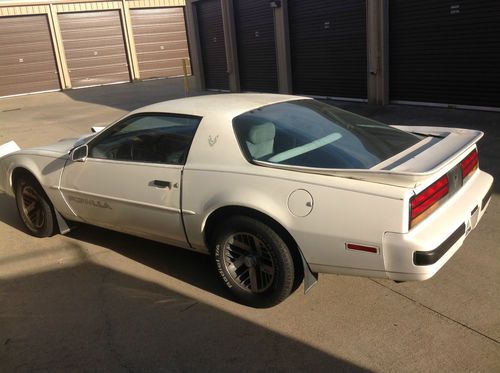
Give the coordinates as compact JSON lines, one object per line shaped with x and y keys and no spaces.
{"x":277,"y":188}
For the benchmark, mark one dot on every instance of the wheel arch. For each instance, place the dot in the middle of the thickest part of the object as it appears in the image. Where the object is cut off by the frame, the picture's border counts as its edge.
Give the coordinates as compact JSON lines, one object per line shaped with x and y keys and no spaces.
{"x":20,"y":171}
{"x":223,"y":213}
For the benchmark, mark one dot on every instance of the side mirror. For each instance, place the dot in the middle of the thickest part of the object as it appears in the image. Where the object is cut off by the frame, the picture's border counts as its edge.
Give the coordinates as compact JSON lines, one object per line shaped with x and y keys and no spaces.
{"x":80,"y":153}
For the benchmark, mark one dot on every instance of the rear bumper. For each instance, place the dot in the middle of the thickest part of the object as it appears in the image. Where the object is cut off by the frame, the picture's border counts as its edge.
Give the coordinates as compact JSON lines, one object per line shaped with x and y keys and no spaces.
{"x":420,"y":253}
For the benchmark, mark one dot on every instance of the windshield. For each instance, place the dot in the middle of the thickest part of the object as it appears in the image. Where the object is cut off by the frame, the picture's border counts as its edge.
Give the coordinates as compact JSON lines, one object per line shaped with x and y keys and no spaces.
{"x":309,"y":133}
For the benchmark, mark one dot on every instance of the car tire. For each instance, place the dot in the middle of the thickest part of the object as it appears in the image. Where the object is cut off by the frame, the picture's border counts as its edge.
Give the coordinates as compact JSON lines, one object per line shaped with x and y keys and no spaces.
{"x":35,"y":209}
{"x":253,"y":261}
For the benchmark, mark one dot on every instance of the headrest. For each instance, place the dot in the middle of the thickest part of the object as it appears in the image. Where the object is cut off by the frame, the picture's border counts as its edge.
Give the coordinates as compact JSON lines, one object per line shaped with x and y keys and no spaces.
{"x":260,"y":133}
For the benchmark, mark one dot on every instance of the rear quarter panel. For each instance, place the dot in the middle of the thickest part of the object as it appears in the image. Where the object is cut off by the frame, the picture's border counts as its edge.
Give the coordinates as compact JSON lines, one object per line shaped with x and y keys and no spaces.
{"x":343,"y":210}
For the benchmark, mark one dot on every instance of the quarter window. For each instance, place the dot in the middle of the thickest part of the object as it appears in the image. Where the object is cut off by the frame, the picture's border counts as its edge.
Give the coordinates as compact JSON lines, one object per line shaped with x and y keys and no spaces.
{"x":151,"y":138}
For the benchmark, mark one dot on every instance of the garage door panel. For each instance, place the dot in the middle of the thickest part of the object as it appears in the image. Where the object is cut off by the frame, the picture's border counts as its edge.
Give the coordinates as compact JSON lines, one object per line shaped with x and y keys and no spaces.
{"x":173,"y":57}
{"x":149,"y":65}
{"x":99,"y":76}
{"x":31,"y":77}
{"x":160,"y":41}
{"x":213,"y":50}
{"x":95,"y":47}
{"x":93,"y":20}
{"x":97,"y":62}
{"x":172,"y":26}
{"x":7,"y":59}
{"x":254,"y":22}
{"x":27,"y":67}
{"x":96,"y":51}
{"x":97,"y":33}
{"x":153,"y":47}
{"x":30,"y":86}
{"x":101,"y":42}
{"x":27,"y":48}
{"x":27,"y":59}
{"x":445,"y":55}
{"x":10,"y":38}
{"x":328,"y":47}
{"x":173,"y":71}
{"x":21,"y":23}
{"x":146,"y":17}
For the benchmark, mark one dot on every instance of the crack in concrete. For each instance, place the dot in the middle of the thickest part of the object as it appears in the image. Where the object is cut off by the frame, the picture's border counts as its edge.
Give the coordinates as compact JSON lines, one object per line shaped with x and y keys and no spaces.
{"x":437,"y":312}
{"x":107,"y":324}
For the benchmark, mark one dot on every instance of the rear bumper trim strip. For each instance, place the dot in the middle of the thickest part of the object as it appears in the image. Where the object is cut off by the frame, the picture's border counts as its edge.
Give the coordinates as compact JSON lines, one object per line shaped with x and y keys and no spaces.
{"x":424,"y":258}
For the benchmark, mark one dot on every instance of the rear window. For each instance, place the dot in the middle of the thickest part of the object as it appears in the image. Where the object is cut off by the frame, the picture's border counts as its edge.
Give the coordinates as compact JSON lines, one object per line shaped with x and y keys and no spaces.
{"x":309,"y":133}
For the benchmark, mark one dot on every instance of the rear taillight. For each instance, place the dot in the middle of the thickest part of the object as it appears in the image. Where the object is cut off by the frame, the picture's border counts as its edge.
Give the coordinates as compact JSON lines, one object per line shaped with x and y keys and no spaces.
{"x":469,"y":164}
{"x":427,"y":200}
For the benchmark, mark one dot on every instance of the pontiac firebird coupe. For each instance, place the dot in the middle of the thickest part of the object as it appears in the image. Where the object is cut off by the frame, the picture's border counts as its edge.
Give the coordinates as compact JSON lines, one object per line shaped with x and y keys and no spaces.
{"x":276,"y":188}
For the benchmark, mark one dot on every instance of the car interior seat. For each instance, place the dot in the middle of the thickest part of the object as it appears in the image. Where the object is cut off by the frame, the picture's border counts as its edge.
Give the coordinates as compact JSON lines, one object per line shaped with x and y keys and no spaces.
{"x":260,"y":139}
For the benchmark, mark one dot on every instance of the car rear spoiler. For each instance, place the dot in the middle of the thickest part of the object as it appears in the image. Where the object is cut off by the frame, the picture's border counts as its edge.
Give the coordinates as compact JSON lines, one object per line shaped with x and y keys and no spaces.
{"x":8,"y":148}
{"x":440,"y":148}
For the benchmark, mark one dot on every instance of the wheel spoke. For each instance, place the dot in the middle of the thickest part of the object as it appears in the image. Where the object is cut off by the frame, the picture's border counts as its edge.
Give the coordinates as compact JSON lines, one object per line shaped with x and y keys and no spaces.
{"x":264,"y":268}
{"x":235,"y":264}
{"x":253,"y":279}
{"x":28,"y":193}
{"x":30,"y":207}
{"x":239,"y":246}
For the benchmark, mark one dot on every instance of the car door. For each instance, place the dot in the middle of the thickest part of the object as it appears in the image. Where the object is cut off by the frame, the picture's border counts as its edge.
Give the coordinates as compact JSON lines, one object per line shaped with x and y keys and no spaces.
{"x":131,"y":180}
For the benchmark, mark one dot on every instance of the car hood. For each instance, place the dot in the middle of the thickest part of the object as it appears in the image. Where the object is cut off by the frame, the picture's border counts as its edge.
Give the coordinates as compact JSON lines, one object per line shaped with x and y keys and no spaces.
{"x":63,"y":146}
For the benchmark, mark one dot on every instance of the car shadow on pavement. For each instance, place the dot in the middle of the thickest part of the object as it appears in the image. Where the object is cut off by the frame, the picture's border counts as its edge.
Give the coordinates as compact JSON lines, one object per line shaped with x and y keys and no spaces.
{"x":83,"y":316}
{"x":188,"y":266}
{"x":191,"y":267}
{"x":8,"y":212}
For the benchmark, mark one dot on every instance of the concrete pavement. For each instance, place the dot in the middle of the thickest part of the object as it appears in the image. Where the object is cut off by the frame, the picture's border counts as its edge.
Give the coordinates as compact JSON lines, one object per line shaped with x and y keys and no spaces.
{"x":96,"y":300}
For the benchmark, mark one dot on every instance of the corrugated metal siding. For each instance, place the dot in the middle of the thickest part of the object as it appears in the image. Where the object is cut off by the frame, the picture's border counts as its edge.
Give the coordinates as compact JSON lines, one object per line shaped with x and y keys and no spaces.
{"x":154,"y":3}
{"x":95,"y":48}
{"x":445,"y":51}
{"x":27,"y":60}
{"x":254,"y":22}
{"x":213,"y":50}
{"x":160,"y":41}
{"x":87,"y":7}
{"x":22,"y":10}
{"x":31,"y":7}
{"x":328,"y":47}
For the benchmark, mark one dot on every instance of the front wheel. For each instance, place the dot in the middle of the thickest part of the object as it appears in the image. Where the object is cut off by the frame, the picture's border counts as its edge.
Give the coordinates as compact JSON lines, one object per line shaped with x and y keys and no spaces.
{"x":34,"y":207}
{"x":253,"y":261}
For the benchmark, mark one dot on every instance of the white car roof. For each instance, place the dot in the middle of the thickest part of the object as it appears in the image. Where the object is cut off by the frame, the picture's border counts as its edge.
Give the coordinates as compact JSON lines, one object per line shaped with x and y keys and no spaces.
{"x":226,"y":105}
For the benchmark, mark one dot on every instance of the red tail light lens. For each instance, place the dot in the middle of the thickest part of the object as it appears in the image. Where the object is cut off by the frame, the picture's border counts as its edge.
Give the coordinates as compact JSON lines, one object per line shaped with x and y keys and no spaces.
{"x":469,"y":163}
{"x":420,"y":205}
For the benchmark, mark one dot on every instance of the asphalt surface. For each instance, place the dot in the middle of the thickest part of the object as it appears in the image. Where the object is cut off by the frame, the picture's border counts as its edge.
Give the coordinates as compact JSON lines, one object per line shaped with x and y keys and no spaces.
{"x":95,"y":300}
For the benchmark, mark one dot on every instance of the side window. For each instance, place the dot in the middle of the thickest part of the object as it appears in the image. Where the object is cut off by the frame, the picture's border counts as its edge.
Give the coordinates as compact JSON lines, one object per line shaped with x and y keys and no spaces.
{"x":150,"y":138}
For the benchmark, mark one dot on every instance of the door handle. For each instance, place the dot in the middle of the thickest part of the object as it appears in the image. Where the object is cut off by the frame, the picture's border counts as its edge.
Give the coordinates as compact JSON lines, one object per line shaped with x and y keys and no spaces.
{"x":161,"y":184}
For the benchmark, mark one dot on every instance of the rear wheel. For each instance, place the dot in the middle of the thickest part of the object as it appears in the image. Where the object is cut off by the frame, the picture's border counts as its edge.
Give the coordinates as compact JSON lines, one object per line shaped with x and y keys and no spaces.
{"x":34,"y":207}
{"x":253,"y":261}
